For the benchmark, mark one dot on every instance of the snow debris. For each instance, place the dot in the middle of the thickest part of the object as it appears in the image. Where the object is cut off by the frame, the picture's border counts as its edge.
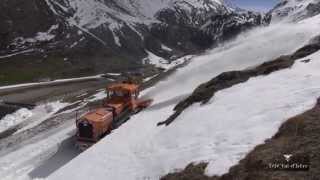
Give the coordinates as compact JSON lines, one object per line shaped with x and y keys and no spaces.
{"x":30,"y":117}
{"x":14,"y":119}
{"x":42,"y":113}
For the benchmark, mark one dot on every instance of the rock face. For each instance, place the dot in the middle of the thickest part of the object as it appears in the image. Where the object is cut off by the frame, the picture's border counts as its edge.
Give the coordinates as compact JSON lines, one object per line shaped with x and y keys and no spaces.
{"x":49,"y":39}
{"x":294,"y":10}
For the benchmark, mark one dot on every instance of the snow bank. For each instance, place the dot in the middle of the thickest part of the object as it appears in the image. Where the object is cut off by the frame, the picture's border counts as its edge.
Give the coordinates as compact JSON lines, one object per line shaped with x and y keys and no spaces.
{"x":222,"y":132}
{"x":15,"y":118}
{"x":31,"y":117}
{"x":41,"y":113}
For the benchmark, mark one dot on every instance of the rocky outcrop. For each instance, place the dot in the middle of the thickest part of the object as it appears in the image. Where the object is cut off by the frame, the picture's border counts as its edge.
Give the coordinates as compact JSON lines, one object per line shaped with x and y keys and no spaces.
{"x":192,"y":28}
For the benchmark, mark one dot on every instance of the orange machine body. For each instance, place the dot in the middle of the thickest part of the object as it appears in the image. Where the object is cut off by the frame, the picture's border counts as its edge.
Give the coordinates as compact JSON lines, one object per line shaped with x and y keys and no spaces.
{"x":122,"y":98}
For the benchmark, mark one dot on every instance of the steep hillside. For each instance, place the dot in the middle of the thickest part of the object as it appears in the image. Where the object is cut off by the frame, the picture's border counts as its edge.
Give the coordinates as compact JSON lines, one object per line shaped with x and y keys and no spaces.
{"x":220,"y":132}
{"x":71,"y":38}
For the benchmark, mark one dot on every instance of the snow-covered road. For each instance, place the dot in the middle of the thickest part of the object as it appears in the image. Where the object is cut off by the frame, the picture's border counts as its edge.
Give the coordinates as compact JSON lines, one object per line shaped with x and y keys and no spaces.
{"x":222,"y":132}
{"x":18,"y":164}
{"x":42,"y":139}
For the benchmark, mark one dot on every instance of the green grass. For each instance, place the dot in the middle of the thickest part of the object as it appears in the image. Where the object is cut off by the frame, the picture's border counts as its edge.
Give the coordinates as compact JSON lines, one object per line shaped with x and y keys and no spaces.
{"x":28,"y":70}
{"x":25,"y":69}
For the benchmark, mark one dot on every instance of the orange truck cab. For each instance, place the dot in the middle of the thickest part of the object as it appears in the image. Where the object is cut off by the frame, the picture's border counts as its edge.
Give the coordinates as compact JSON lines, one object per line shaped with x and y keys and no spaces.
{"x":122,"y":101}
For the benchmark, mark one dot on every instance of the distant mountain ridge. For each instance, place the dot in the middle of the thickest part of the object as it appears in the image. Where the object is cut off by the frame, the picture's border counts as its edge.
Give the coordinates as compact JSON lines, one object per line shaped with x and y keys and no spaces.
{"x":84,"y":37}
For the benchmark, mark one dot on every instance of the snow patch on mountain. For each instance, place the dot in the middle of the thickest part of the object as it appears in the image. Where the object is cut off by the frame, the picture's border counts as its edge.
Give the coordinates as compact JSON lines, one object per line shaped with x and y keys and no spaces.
{"x":40,"y":37}
{"x":166,"y":48}
{"x":115,"y":27}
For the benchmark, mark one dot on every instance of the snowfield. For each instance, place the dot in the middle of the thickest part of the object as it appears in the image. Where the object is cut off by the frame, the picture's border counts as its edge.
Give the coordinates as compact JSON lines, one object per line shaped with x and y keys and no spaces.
{"x":221,"y":132}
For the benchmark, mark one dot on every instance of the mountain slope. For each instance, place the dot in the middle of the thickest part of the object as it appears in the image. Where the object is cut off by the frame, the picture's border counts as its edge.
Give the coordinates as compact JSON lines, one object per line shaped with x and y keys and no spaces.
{"x":71,"y":38}
{"x":208,"y":133}
{"x":297,"y":136}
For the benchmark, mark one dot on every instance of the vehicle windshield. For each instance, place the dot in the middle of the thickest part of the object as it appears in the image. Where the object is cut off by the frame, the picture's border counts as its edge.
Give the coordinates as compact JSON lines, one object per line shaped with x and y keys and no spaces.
{"x":118,"y":94}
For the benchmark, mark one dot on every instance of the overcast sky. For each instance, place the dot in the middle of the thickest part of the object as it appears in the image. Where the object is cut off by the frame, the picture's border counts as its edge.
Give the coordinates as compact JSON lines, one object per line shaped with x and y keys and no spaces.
{"x":258,"y":5}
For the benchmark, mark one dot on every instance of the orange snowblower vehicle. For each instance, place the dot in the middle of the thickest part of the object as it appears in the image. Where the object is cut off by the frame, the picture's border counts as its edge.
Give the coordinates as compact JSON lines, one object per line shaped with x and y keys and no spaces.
{"x":121,"y":102}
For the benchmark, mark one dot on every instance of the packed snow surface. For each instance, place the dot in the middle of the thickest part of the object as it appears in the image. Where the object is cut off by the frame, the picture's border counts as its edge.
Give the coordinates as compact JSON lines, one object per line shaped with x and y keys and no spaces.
{"x":16,"y":165}
{"x":221,"y":132}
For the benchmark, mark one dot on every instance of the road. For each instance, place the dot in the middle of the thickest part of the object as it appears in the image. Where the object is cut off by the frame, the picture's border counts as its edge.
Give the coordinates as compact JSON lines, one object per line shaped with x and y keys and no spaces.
{"x":48,"y":92}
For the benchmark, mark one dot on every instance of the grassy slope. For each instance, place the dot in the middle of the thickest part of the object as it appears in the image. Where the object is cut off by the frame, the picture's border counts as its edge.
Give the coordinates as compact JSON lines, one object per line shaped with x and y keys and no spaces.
{"x":23,"y":69}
